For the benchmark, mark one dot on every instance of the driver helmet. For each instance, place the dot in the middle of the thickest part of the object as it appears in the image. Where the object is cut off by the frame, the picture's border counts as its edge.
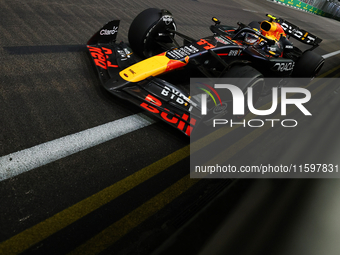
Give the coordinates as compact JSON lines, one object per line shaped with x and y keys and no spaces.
{"x":251,"y":39}
{"x":272,"y":30}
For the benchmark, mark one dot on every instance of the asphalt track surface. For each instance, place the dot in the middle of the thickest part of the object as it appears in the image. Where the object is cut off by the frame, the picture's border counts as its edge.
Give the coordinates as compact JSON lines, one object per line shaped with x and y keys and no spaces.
{"x":126,"y":193}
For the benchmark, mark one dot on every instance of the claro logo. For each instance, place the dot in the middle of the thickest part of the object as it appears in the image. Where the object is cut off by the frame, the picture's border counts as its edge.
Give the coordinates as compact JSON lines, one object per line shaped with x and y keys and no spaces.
{"x":109,"y":32}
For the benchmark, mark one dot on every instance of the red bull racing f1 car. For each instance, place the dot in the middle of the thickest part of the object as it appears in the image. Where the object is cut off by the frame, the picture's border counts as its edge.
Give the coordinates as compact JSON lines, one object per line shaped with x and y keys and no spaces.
{"x":138,"y":71}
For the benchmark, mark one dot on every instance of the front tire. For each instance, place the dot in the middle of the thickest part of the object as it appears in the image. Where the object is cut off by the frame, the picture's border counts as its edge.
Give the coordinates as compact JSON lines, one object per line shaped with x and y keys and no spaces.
{"x":145,"y":29}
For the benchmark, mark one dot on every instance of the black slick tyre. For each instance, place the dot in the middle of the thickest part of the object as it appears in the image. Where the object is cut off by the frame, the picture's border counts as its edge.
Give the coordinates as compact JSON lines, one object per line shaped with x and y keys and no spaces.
{"x":144,"y":30}
{"x":308,"y":65}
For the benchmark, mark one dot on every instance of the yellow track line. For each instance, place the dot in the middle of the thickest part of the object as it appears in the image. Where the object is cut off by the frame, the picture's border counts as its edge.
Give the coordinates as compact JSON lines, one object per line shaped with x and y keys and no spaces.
{"x":328,"y":72}
{"x":120,"y":228}
{"x":44,"y":229}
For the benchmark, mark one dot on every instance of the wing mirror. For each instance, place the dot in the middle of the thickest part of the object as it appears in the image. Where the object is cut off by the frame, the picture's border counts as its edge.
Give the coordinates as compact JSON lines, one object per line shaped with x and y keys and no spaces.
{"x":217,"y":22}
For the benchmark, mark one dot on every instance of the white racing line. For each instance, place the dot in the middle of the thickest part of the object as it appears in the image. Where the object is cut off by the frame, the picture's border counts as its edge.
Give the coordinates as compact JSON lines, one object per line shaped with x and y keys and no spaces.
{"x":22,"y":161}
{"x":28,"y":159}
{"x":331,"y":54}
{"x":249,"y":10}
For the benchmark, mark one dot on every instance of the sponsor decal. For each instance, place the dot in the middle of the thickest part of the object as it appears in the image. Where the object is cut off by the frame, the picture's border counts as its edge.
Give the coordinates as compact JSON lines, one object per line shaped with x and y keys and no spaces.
{"x":304,"y":36}
{"x":167,"y":19}
{"x":222,"y":40}
{"x":131,"y":71}
{"x":177,"y":96}
{"x":109,"y":32}
{"x":154,"y":107}
{"x":231,"y":53}
{"x":124,"y":54}
{"x":283,"y":67}
{"x":127,"y":52}
{"x":205,"y":42}
{"x":234,"y":53}
{"x":182,"y":52}
{"x":99,"y":57}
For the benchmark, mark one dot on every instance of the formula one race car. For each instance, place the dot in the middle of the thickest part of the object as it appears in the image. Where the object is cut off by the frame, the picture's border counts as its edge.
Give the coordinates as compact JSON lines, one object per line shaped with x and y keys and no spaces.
{"x":138,"y":72}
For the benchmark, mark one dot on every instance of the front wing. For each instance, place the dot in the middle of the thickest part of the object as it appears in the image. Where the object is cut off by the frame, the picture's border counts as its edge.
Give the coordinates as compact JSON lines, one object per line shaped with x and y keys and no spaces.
{"x":164,"y":100}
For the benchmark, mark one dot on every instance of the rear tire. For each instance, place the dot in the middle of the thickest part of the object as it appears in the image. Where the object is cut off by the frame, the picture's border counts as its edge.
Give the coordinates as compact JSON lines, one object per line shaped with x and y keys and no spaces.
{"x":308,"y":65}
{"x":145,"y":28}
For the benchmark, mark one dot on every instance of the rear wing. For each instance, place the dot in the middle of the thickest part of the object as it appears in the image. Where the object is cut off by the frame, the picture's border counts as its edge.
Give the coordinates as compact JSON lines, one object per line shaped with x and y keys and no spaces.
{"x":297,"y":33}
